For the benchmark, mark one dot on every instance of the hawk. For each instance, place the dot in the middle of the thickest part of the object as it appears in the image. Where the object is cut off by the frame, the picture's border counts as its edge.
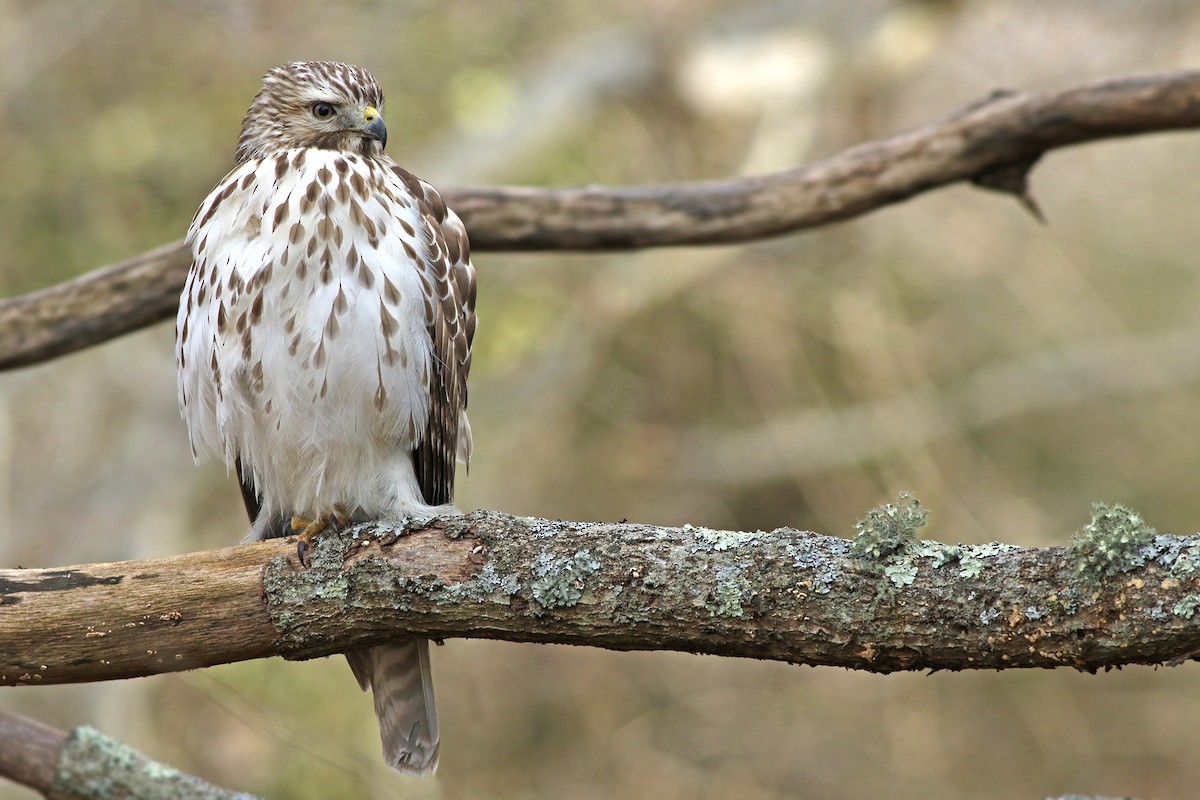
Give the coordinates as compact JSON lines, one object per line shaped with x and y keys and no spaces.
{"x":324,"y":338}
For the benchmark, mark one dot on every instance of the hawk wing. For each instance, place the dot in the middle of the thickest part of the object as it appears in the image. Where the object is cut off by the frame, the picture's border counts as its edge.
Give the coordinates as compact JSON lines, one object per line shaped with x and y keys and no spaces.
{"x":448,"y":281}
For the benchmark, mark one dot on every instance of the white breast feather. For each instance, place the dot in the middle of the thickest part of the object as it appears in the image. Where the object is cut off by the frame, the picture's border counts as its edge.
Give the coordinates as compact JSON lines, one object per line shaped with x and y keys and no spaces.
{"x":323,"y":386}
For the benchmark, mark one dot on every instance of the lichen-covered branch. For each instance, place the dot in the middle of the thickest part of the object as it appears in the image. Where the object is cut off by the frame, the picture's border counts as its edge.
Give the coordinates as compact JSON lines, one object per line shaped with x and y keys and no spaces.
{"x":992,"y":143}
{"x":87,"y":764}
{"x":1119,"y":594}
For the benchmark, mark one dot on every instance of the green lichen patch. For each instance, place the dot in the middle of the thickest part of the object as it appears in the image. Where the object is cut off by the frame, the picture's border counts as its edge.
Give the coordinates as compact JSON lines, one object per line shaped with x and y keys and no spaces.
{"x":969,"y":567}
{"x":1116,"y":540}
{"x":889,"y":529}
{"x":968,"y":557}
{"x":942,"y":554}
{"x":901,"y":572}
{"x":1186,"y":607}
{"x":710,"y":541}
{"x":969,"y":564}
{"x":887,"y":536}
{"x":731,"y":590}
{"x":559,"y":582}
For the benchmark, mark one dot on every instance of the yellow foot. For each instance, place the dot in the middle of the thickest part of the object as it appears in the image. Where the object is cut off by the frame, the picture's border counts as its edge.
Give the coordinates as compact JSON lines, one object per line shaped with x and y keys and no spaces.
{"x":310,"y":529}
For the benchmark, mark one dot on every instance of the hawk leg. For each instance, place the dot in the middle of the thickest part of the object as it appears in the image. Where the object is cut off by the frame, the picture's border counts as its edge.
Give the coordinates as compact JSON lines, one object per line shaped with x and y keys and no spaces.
{"x":310,"y":529}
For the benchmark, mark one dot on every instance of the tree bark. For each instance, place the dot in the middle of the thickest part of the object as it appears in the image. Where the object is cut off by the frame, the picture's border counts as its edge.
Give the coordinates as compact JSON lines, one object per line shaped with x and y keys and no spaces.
{"x":882,"y":603}
{"x":993,"y":143}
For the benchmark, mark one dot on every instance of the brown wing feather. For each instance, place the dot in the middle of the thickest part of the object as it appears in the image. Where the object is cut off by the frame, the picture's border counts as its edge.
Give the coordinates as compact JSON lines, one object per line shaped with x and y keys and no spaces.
{"x":451,"y":329}
{"x":250,"y":496}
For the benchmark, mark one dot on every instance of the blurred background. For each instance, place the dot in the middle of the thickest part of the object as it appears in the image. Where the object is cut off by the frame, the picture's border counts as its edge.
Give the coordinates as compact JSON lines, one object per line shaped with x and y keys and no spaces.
{"x":1007,"y":373}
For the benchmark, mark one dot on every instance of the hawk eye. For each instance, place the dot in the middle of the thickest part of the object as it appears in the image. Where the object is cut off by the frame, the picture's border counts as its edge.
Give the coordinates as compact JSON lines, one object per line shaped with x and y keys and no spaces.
{"x":322,"y":110}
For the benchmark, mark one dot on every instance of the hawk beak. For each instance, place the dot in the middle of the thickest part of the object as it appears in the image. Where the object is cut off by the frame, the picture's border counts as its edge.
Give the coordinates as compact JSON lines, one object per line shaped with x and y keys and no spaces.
{"x":373,"y":127}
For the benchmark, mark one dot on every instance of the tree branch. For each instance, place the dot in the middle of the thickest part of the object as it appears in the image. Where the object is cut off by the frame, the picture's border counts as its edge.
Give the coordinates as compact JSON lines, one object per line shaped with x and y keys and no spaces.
{"x":30,"y":751}
{"x":993,"y":143}
{"x":87,"y":764}
{"x":887,"y":602}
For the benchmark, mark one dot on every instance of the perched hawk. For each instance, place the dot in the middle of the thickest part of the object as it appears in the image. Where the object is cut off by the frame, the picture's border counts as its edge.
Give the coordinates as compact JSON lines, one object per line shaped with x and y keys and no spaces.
{"x":324,"y":339}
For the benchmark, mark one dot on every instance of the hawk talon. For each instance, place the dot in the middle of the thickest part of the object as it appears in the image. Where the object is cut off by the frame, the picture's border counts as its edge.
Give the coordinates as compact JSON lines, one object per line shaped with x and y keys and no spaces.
{"x":310,"y":529}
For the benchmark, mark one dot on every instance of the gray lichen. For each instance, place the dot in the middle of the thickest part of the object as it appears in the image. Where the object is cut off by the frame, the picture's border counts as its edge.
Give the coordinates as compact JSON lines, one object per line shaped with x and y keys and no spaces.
{"x":540,"y":528}
{"x":1180,"y":556}
{"x":509,"y":584}
{"x":1115,"y":541}
{"x":819,"y":564}
{"x":486,"y":583}
{"x":414,"y":588}
{"x":559,"y":582}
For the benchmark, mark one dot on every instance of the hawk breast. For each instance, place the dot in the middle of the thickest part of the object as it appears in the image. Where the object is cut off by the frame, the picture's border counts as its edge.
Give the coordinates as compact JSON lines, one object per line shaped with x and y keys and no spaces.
{"x":326,"y":323}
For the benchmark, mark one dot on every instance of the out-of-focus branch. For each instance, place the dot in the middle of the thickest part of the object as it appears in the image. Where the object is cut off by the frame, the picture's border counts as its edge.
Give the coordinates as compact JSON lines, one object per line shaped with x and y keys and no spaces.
{"x":993,"y":143}
{"x":819,"y":439}
{"x":888,"y":602}
{"x":29,"y":751}
{"x":87,"y":764}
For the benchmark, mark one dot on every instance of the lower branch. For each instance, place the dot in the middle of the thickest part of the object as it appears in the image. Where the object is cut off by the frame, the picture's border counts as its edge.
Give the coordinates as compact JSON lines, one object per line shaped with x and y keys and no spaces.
{"x":886,"y":601}
{"x":87,"y":764}
{"x":29,"y":755}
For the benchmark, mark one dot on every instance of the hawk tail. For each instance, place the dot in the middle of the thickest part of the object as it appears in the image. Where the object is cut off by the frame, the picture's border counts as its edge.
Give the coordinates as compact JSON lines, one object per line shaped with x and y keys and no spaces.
{"x":400,"y":679}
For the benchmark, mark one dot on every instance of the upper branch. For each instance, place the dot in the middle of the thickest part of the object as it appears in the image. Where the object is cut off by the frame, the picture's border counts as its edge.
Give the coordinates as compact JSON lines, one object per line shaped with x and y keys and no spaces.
{"x":784,"y":594}
{"x":993,"y":142}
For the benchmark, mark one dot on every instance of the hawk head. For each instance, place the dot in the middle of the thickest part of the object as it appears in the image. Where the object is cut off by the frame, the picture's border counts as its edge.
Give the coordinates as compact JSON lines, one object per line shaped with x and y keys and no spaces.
{"x":324,"y":104}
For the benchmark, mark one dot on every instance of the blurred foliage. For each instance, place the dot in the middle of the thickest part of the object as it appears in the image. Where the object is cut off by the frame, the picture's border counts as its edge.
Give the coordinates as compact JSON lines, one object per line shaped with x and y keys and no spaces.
{"x":798,"y":381}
